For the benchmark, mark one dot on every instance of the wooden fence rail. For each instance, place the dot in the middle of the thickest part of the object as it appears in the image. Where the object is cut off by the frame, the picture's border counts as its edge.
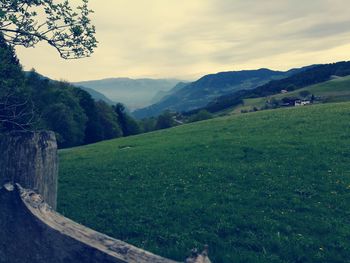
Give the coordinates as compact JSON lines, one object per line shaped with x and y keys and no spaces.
{"x":30,"y":229}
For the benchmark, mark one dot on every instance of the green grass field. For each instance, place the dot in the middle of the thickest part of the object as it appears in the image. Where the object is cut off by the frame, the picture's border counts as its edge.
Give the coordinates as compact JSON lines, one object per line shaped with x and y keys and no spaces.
{"x":336,"y":90}
{"x":270,"y":186}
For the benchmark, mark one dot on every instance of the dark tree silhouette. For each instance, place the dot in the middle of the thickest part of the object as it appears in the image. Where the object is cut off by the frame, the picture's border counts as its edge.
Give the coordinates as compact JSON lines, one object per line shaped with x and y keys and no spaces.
{"x":69,"y":31}
{"x":16,"y":111}
{"x":128,"y":125}
{"x":26,"y":23}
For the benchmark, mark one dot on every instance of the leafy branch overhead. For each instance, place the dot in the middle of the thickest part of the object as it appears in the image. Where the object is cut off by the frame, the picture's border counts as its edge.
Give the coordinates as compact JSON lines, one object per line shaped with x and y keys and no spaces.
{"x":67,"y":29}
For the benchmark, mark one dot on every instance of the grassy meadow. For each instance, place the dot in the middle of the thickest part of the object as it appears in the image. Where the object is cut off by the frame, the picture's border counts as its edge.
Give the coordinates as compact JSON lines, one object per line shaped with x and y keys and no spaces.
{"x":335,"y":90}
{"x":270,"y":186}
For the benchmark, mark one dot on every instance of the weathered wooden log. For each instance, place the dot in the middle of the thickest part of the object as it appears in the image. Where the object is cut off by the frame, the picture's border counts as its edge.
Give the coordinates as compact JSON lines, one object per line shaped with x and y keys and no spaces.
{"x":199,"y":257}
{"x":30,"y":159}
{"x":31,"y":232}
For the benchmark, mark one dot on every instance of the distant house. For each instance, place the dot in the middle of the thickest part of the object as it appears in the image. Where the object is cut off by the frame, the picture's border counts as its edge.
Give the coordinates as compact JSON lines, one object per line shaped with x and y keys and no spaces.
{"x":284,"y":91}
{"x":301,"y":102}
{"x":178,"y":121}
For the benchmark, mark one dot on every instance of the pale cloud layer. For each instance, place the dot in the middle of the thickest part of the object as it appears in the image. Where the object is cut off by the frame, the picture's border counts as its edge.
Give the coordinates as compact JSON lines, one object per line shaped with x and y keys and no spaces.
{"x":190,"y":38}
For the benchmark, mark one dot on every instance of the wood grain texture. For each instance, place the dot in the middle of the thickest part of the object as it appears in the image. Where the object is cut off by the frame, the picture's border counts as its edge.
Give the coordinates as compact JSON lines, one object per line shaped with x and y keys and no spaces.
{"x":31,"y":231}
{"x":30,"y":159}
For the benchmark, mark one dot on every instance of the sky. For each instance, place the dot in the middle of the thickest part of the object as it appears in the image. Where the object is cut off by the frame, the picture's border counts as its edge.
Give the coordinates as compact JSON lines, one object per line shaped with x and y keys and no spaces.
{"x":186,"y":39}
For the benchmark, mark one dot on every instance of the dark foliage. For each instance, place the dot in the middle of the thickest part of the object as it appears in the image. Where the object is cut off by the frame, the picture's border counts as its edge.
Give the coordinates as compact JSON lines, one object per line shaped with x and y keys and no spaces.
{"x":165,"y":121}
{"x":67,"y":29}
{"x":59,"y":106}
{"x":108,"y":120}
{"x":16,"y":110}
{"x":128,"y":125}
{"x":200,"y":116}
{"x":93,"y":129}
{"x":148,"y":124}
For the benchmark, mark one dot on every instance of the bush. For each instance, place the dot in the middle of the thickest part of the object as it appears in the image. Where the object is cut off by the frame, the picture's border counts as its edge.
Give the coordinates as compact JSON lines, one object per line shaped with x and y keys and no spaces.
{"x":304,"y":93}
{"x":201,"y":116}
{"x":165,"y":121}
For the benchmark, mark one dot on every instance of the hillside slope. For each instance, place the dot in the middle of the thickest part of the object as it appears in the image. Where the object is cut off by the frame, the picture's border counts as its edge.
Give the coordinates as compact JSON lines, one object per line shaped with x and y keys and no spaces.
{"x":199,"y":93}
{"x":162,"y":95}
{"x":98,"y":95}
{"x":335,"y":90}
{"x":311,"y":76}
{"x":270,"y":186}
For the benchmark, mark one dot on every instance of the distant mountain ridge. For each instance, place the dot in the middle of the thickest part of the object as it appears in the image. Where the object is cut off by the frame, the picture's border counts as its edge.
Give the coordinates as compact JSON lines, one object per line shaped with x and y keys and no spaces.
{"x":201,"y":92}
{"x":161,"y":95}
{"x":97,"y":95}
{"x":304,"y":77}
{"x":134,"y":93}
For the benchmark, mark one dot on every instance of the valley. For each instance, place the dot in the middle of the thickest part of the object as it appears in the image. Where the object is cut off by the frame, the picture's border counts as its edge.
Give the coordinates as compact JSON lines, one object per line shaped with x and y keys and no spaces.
{"x":268,"y":186}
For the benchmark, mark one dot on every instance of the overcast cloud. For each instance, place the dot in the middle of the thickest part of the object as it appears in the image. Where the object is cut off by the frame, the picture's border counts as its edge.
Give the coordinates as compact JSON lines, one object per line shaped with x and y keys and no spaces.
{"x":190,"y":38}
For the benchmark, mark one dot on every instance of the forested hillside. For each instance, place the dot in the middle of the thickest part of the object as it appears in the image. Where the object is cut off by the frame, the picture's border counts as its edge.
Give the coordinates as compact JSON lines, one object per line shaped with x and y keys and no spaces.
{"x":313,"y":75}
{"x":36,"y":102}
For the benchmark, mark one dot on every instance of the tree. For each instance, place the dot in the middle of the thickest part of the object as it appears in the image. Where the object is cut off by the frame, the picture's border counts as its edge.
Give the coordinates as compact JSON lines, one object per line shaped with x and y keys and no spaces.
{"x":27,"y":22}
{"x":108,"y":120}
{"x":200,"y":116}
{"x":93,"y":130}
{"x":274,"y":103}
{"x":165,"y":121}
{"x":148,"y":124}
{"x":68,"y":125}
{"x":128,"y":125}
{"x":313,"y":98}
{"x":304,"y":93}
{"x":63,"y":114}
{"x":15,"y":105}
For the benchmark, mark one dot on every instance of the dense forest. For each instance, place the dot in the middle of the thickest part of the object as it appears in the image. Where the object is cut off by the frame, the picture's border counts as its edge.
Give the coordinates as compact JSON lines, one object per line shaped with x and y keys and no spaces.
{"x":32,"y":102}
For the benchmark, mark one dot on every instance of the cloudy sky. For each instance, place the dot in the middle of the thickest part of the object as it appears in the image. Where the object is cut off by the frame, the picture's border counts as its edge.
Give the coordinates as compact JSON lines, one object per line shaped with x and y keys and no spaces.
{"x":189,"y":38}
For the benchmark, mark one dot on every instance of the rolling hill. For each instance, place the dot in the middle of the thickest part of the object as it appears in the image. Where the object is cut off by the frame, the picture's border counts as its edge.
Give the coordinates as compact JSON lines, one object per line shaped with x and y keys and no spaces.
{"x":162,"y":95}
{"x":201,"y":92}
{"x":270,"y":186}
{"x":134,"y":93}
{"x":310,"y":76}
{"x":335,"y":90}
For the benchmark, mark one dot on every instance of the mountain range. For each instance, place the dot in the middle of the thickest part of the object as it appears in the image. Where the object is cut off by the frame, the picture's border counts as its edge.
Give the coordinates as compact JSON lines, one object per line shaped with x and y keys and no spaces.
{"x":302,"y":78}
{"x":197,"y":94}
{"x":134,"y":93}
{"x":98,"y":95}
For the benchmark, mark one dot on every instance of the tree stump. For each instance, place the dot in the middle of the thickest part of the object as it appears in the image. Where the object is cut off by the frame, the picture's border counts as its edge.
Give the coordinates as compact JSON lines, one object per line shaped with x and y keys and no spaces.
{"x":30,"y":159}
